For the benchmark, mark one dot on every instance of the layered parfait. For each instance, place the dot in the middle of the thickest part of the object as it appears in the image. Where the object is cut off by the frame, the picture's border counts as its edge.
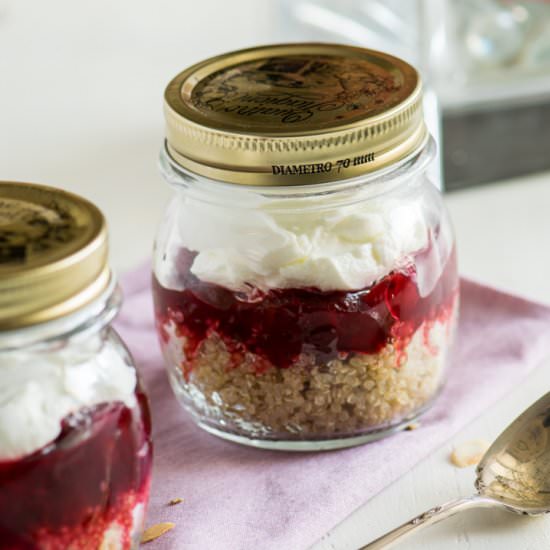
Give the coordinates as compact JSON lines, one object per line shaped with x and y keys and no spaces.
{"x":293,"y":323}
{"x":75,"y":449}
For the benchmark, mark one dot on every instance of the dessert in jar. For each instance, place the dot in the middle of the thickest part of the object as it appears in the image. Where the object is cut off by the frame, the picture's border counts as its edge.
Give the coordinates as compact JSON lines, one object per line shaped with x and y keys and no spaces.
{"x":75,"y":444}
{"x":305,"y":278}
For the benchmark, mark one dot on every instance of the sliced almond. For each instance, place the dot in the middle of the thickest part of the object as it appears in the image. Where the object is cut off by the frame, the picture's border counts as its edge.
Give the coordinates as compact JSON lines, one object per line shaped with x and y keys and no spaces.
{"x":175,"y":501}
{"x":469,"y":453}
{"x":412,"y":426}
{"x":155,"y":531}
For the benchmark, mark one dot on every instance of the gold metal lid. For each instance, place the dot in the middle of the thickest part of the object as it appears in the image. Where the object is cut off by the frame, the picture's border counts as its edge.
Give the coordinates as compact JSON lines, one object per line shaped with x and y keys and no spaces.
{"x":53,"y":254}
{"x":294,"y":114}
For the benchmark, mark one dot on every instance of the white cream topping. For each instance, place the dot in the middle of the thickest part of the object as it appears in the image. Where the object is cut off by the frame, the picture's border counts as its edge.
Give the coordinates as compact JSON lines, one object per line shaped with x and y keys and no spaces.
{"x":263,"y":246}
{"x":39,"y":390}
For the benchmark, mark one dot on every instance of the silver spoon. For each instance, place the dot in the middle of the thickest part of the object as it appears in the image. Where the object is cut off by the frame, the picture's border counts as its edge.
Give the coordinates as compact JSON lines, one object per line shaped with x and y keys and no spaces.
{"x":514,"y":475}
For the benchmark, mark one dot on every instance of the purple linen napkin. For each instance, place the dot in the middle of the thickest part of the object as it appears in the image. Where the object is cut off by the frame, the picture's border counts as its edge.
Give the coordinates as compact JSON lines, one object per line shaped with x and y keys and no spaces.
{"x":239,"y":498}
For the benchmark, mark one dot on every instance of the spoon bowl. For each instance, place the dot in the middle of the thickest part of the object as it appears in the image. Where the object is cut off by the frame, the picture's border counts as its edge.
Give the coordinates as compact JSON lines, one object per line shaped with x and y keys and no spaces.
{"x":516,"y":469}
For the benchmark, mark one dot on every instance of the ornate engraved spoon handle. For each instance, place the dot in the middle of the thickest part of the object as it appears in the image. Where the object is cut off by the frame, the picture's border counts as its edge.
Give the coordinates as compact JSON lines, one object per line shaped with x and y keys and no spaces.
{"x":430,"y":517}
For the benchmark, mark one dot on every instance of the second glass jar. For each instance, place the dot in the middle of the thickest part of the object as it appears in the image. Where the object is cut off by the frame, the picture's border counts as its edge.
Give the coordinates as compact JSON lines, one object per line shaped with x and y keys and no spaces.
{"x":75,"y":428}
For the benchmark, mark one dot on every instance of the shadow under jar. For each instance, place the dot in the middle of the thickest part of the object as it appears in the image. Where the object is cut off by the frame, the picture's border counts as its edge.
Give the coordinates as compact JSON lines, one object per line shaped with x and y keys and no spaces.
{"x":75,"y":433}
{"x":305,"y":278}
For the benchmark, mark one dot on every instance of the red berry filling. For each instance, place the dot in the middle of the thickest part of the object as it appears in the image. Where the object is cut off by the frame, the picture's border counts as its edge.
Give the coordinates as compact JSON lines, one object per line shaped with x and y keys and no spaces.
{"x":69,"y":493}
{"x":280,"y":324}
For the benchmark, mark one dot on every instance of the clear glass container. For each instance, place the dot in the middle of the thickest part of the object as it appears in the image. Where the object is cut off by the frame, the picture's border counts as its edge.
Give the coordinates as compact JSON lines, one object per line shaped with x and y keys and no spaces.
{"x":75,"y":430}
{"x":310,"y":316}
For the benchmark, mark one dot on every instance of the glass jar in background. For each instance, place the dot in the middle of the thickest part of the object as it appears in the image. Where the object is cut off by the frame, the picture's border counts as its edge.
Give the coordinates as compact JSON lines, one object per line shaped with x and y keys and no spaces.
{"x":486,"y":71}
{"x":75,"y":443}
{"x":305,"y":278}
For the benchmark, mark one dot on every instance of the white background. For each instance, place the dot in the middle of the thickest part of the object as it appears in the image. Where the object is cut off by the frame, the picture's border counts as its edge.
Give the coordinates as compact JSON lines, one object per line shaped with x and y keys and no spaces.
{"x":81,"y":87}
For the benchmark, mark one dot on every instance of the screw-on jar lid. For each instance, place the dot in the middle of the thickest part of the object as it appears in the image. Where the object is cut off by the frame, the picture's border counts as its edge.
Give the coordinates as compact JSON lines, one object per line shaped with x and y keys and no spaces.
{"x":294,"y":114}
{"x":53,"y":254}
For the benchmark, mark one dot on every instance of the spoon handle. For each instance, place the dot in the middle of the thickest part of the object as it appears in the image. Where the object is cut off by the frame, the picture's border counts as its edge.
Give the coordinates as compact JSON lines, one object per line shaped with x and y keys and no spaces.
{"x":430,"y":517}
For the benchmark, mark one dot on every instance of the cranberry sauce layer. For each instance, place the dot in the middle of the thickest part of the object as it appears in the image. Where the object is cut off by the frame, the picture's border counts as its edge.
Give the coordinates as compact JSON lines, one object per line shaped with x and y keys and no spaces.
{"x":67,"y":494}
{"x":280,"y":324}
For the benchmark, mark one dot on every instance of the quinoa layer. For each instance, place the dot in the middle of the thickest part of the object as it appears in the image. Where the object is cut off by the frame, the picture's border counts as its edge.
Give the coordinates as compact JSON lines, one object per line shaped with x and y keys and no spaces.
{"x":349,"y":396}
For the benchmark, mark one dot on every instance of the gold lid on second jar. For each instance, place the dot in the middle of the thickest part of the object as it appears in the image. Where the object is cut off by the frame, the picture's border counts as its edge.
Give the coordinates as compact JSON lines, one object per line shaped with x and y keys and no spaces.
{"x":53,"y":254}
{"x":294,"y":114}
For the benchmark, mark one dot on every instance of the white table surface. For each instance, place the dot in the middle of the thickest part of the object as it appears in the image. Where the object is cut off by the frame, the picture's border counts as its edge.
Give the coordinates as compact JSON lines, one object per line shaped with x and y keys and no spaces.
{"x":81,"y":108}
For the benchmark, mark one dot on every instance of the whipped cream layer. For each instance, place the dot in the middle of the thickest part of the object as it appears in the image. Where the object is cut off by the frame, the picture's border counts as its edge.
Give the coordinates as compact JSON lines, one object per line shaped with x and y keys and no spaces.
{"x":40,"y":389}
{"x":269,"y":244}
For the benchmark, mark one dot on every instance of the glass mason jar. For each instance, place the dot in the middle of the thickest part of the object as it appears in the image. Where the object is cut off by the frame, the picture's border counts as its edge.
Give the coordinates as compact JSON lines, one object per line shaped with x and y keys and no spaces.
{"x":75,"y":433}
{"x":305,"y":278}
